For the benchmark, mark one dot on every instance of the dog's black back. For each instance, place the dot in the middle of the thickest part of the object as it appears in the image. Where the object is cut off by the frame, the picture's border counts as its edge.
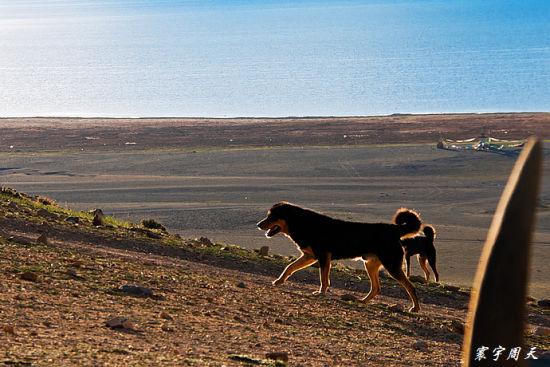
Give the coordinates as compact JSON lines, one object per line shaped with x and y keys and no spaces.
{"x":348,"y":240}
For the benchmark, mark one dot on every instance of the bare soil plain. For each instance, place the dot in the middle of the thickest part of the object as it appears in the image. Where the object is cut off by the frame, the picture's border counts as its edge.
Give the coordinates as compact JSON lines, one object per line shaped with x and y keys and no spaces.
{"x":217,"y":178}
{"x":101,"y":134}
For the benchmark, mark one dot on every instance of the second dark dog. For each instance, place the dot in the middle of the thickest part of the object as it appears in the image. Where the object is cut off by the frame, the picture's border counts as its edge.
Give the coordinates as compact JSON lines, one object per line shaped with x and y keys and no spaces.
{"x":423,"y":246}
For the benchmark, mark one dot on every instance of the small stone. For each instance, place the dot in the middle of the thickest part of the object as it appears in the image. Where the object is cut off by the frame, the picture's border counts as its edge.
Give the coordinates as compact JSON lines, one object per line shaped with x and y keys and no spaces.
{"x":129,"y":325}
{"x":544,"y":303}
{"x":153,"y":235}
{"x":116,"y":322}
{"x":542,"y":331}
{"x":165,"y":315}
{"x":205,"y":241}
{"x":457,"y":327}
{"x":98,"y":218}
{"x":419,"y":345}
{"x":97,"y":212}
{"x":146,"y":291}
{"x":19,"y":240}
{"x":71,"y":272}
{"x":167,"y":328}
{"x":42,"y":239}
{"x":30,"y":276}
{"x":73,"y":220}
{"x":76,"y":263}
{"x":46,"y":214}
{"x":137,"y":290}
{"x":264,"y":250}
{"x":348,"y":297}
{"x":452,"y":288}
{"x":241,"y":285}
{"x":417,"y":279}
{"x":9,"y":330}
{"x":277,"y":356}
{"x":395,"y":308}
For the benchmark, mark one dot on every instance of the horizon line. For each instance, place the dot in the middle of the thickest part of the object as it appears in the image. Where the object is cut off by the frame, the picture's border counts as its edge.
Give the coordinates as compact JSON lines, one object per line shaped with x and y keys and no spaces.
{"x":114,"y":117}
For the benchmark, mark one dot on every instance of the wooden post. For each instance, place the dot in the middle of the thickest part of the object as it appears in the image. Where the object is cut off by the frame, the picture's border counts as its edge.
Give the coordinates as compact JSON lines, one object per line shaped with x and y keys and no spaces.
{"x":497,"y":312}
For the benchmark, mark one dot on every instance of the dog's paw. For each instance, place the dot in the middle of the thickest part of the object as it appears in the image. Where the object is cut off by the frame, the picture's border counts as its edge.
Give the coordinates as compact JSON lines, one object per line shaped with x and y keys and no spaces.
{"x":414,"y":309}
{"x":277,"y":282}
{"x":319,"y":294}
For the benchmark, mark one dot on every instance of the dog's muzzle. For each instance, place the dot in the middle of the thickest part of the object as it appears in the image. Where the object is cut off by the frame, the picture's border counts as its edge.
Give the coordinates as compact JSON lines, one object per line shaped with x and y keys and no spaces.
{"x":273,"y":231}
{"x":270,"y":230}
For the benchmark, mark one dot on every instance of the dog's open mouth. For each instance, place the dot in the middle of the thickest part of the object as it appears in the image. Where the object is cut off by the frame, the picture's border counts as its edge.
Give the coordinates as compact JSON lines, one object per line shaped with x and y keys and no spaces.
{"x":273,"y":231}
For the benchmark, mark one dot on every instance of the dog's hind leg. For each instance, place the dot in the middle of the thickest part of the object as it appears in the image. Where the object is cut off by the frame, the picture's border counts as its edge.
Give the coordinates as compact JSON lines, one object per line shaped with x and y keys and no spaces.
{"x":422,"y":260}
{"x":300,"y":263}
{"x":431,"y":261}
{"x":324,"y":271}
{"x":372,"y":266}
{"x":400,"y":276}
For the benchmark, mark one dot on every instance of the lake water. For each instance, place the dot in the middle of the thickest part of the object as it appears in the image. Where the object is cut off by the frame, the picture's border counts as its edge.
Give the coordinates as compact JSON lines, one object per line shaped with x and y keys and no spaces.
{"x":272,"y":58}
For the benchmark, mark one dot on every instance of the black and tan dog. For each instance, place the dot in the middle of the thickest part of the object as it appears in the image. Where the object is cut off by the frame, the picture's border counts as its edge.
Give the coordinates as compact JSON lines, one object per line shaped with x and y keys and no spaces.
{"x":423,"y":246}
{"x":321,"y":238}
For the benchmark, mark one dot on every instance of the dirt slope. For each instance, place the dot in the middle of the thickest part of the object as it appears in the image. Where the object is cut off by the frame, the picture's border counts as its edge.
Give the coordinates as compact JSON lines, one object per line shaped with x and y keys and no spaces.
{"x":201,"y":303}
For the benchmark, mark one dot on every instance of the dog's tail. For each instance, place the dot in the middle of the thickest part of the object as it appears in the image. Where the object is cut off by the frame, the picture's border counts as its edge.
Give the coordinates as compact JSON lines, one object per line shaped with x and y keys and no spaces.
{"x":429,"y":232}
{"x":408,"y":222}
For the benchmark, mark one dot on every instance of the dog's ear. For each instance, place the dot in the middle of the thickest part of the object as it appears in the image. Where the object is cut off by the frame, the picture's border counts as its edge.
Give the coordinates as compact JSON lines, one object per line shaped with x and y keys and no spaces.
{"x":279,"y":204}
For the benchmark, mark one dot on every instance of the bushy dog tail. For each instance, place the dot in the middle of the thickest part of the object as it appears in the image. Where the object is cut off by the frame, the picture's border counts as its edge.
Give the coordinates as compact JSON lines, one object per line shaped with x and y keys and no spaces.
{"x":408,"y":222}
{"x":429,"y":232}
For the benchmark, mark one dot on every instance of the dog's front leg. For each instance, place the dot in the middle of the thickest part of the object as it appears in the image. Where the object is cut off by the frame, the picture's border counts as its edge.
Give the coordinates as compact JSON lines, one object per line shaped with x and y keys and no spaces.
{"x":324,"y":271}
{"x":300,"y":263}
{"x":372,"y":266}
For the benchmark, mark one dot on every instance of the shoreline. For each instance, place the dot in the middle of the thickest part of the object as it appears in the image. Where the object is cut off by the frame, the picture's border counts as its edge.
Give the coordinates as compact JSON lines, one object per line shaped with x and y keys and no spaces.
{"x":41,"y":134}
{"x":289,"y":117}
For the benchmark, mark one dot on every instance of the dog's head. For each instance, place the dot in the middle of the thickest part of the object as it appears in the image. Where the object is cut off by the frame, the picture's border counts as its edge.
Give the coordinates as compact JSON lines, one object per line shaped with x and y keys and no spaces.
{"x":276,"y":220}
